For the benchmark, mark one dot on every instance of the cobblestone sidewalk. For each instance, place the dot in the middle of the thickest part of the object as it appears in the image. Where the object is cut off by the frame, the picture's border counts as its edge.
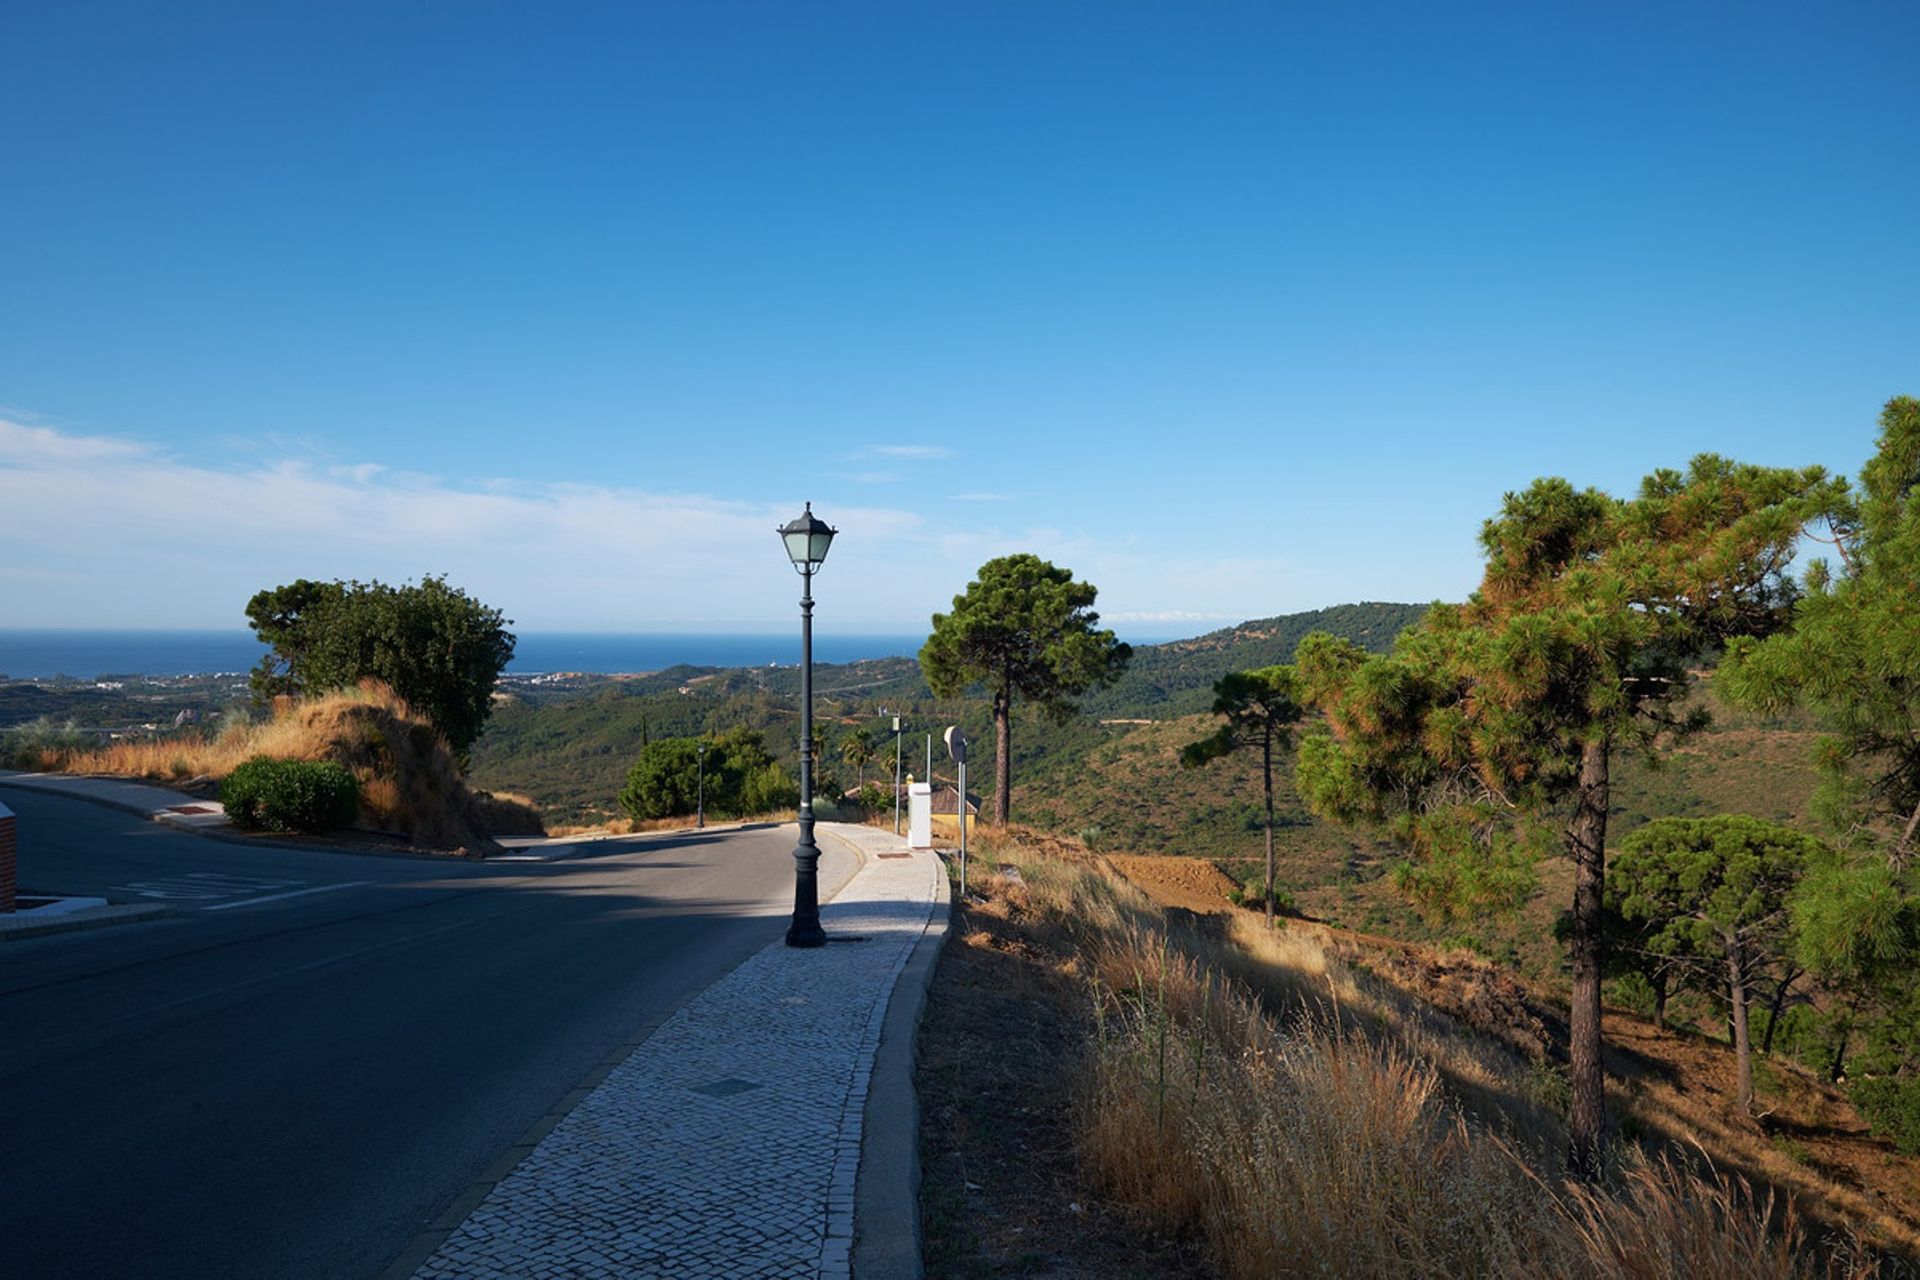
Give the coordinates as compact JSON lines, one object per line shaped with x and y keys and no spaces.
{"x":726,"y":1145}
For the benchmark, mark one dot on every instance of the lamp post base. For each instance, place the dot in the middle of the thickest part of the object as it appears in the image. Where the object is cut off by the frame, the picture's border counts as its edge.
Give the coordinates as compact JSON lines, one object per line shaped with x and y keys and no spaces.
{"x":805,"y":931}
{"x":799,"y":936}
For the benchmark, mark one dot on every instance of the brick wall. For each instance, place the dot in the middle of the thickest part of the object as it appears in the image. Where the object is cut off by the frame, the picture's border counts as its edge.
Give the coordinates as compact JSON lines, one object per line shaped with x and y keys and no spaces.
{"x":9,"y":847}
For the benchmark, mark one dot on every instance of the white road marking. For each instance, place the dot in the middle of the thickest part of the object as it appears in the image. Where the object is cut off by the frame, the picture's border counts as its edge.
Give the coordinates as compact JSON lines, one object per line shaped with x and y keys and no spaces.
{"x":171,"y":889}
{"x":204,"y":884}
{"x":297,"y":893}
{"x":249,"y":882}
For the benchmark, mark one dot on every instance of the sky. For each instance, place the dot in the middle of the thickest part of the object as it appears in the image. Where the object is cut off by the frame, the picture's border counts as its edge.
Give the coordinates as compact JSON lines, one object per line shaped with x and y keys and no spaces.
{"x":1234,"y":310}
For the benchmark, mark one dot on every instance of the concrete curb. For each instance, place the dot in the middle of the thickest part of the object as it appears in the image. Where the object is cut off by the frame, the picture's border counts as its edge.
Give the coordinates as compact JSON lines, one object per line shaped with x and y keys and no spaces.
{"x":887,"y":1240}
{"x":224,"y":832}
{"x":16,"y":927}
{"x":75,"y":793}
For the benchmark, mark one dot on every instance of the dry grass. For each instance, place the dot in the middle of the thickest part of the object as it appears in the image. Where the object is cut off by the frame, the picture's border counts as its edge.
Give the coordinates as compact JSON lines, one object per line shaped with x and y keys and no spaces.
{"x":640,"y":826}
{"x":409,"y":781}
{"x":1303,"y":1117}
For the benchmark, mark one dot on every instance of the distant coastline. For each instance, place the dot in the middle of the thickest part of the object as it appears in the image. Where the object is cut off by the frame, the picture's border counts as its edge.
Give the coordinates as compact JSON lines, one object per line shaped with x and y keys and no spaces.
{"x":92,"y":654}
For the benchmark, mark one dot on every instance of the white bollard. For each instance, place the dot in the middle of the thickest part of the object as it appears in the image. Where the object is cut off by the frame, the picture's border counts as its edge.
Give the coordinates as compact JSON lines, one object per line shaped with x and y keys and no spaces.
{"x":920,"y":816}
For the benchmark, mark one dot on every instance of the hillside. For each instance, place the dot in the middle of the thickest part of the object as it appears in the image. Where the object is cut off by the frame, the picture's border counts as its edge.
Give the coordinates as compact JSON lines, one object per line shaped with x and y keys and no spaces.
{"x":1128,"y":792}
{"x":1176,"y":678}
{"x":571,"y":753}
{"x":1121,"y":1074}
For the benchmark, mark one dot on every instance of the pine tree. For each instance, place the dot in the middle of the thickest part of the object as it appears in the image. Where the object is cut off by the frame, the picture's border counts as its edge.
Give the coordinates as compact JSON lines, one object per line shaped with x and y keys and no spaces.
{"x":1259,"y":709}
{"x":1023,"y":628}
{"x":1716,"y":890}
{"x":1487,"y":736}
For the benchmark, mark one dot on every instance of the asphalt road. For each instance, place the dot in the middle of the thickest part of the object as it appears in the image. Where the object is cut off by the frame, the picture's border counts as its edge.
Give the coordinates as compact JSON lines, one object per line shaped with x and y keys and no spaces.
{"x":301,"y":1069}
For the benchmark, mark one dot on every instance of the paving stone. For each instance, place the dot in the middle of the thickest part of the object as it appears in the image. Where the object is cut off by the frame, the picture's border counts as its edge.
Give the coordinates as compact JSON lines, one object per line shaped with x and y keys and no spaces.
{"x":653,"y":1174}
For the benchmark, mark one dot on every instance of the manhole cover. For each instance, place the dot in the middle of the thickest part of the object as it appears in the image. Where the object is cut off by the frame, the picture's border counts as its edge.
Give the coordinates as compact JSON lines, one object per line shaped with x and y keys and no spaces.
{"x":726,"y":1088}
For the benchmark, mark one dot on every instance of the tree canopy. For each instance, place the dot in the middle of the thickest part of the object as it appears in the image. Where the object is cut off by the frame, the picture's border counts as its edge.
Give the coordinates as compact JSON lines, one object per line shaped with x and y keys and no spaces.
{"x":740,"y":777}
{"x":1023,"y":628}
{"x":1485,"y":737}
{"x":857,"y":749}
{"x":1854,"y":650}
{"x":1714,"y":894}
{"x":439,"y":648}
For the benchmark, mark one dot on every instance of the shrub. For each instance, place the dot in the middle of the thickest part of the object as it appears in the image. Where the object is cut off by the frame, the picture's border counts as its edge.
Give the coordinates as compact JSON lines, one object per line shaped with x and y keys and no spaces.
{"x":741,"y":778}
{"x":41,"y":744}
{"x":665,"y":781}
{"x":1891,"y":1107}
{"x":290,"y":795}
{"x":874,"y":798}
{"x":768,"y":789}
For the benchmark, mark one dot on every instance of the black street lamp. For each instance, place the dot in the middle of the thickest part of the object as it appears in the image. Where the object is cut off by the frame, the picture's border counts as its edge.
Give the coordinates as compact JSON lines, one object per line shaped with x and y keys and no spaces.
{"x":700,"y":759}
{"x":807,"y":538}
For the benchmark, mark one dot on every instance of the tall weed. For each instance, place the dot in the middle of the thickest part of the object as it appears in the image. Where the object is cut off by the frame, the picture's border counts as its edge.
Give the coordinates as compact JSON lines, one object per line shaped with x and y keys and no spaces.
{"x":1303,"y":1118}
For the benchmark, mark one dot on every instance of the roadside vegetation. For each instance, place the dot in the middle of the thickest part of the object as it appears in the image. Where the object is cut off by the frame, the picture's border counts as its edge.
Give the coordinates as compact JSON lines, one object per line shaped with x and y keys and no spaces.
{"x":431,"y":643}
{"x":410,"y":784}
{"x":1252,"y":1102}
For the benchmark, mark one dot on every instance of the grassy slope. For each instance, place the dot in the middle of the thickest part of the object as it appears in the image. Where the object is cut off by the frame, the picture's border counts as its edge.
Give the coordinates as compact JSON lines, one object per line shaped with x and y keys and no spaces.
{"x":1397,"y":1090}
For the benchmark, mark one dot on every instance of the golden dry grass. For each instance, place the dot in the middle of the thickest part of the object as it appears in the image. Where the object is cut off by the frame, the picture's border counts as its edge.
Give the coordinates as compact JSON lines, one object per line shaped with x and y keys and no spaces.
{"x":1303,"y":1117}
{"x":641,"y":826}
{"x":409,"y":781}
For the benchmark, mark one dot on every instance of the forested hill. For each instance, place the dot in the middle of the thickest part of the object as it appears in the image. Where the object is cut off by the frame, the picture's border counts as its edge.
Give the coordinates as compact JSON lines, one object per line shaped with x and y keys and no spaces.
{"x":1177,"y":678}
{"x":571,"y":751}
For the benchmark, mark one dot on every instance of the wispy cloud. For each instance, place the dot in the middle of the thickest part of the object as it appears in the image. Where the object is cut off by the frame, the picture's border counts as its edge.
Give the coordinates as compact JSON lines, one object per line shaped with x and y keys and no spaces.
{"x":109,"y":531}
{"x":24,"y":446}
{"x":138,"y":535}
{"x":912,"y":451}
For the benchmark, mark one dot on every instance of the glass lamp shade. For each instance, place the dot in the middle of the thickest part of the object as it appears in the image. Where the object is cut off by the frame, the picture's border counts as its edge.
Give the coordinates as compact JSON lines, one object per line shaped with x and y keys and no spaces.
{"x":807,"y":538}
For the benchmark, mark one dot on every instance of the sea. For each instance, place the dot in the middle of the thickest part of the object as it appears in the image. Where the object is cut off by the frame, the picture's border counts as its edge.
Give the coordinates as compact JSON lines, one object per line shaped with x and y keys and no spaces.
{"x":92,"y":655}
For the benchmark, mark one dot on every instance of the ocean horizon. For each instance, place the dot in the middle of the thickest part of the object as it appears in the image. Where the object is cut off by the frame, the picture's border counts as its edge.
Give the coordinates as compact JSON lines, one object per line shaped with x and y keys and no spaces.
{"x":85,"y":654}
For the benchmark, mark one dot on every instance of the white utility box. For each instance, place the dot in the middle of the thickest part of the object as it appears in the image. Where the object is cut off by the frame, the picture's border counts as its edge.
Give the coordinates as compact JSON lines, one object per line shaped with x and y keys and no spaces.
{"x":920,"y":816}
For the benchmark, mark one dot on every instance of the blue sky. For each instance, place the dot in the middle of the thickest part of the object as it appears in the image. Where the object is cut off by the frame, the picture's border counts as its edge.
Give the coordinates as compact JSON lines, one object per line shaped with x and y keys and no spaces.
{"x":1232,"y":309}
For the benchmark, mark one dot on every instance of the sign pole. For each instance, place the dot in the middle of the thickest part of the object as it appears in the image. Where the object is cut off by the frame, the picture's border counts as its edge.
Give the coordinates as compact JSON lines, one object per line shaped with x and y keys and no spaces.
{"x":956,"y":740}
{"x":963,"y":825}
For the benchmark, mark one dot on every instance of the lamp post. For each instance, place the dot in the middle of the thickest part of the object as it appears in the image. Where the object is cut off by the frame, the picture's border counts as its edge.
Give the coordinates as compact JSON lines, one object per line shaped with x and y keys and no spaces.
{"x":700,"y":759}
{"x":807,"y":538}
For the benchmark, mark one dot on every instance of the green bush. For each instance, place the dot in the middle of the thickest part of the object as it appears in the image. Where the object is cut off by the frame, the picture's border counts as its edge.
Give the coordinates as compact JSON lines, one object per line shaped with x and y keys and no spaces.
{"x":1633,"y":991}
{"x":875,"y":798}
{"x":34,"y":744}
{"x":767,"y":789}
{"x":1251,"y":897}
{"x":290,"y":795}
{"x":741,"y":778}
{"x":1891,"y":1107}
